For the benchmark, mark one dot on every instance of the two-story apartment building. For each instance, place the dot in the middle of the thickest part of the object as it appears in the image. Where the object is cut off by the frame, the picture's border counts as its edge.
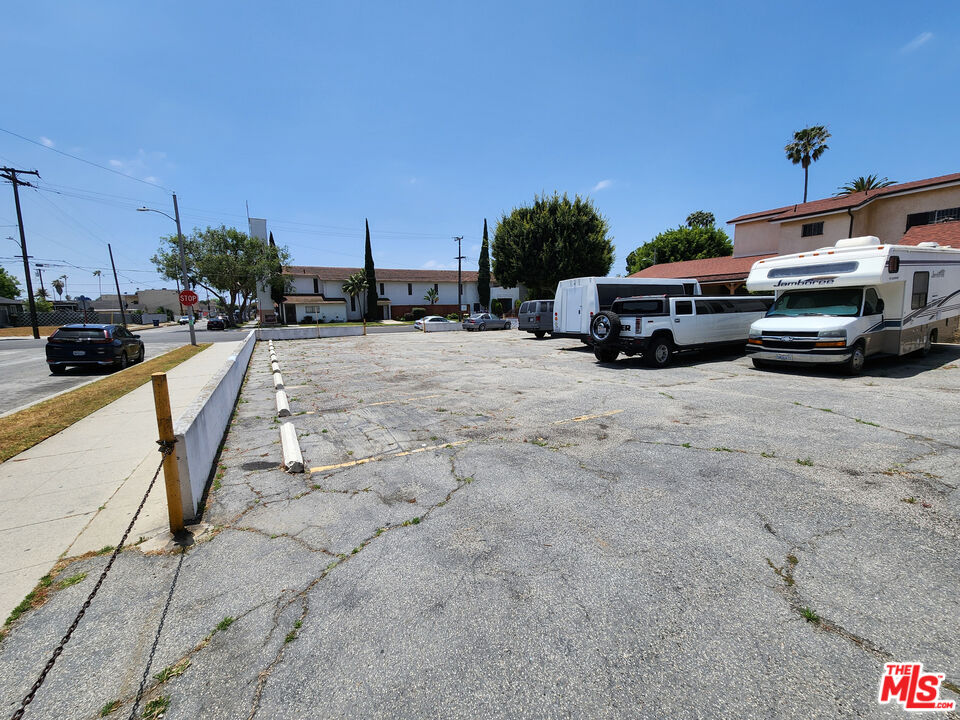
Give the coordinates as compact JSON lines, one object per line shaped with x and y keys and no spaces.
{"x":316,"y":293}
{"x":907,"y":214}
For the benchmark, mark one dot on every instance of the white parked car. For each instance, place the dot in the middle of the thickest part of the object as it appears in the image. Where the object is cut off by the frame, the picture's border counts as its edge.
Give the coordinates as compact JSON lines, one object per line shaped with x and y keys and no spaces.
{"x":432,"y":319}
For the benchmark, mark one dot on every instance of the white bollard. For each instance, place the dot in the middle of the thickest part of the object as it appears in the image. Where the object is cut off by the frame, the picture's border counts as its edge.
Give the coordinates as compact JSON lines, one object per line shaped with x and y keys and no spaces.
{"x":292,"y":457}
{"x":277,"y":381}
{"x":283,"y":404}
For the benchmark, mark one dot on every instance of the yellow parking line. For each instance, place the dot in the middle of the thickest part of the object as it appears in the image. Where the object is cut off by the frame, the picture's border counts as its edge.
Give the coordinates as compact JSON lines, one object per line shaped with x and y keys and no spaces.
{"x":386,"y":456}
{"x":581,"y":418}
{"x":387,"y":402}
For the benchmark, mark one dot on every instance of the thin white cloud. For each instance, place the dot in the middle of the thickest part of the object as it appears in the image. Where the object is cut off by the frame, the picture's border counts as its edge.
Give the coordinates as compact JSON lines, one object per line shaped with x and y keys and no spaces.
{"x":918,"y":42}
{"x":435,"y":265}
{"x":46,"y":141}
{"x":116,"y":164}
{"x":602,"y":185}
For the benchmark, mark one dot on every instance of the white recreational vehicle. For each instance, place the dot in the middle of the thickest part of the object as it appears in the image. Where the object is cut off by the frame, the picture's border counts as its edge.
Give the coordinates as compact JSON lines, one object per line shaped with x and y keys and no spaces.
{"x":859,"y":298}
{"x":578,"y":299}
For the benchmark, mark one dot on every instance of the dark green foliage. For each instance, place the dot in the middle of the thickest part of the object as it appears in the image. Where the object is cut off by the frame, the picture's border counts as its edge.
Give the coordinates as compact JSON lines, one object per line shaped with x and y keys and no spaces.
{"x":9,"y":285}
{"x":418,"y":313}
{"x":483,"y":274}
{"x":693,"y":242}
{"x":807,"y":147}
{"x":453,"y":316}
{"x":862,"y":184}
{"x":552,"y":240}
{"x":408,"y":316}
{"x":497,"y":307}
{"x":371,"y":274}
{"x":277,"y":283}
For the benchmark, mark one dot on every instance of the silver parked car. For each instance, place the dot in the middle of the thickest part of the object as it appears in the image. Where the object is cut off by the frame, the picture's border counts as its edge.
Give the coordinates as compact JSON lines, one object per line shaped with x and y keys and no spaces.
{"x":430,"y":319}
{"x":485,"y":321}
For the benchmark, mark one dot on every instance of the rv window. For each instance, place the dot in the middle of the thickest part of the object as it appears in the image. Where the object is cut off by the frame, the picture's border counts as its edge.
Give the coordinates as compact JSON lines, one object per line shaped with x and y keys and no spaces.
{"x":921,"y":283}
{"x":689,"y":289}
{"x":893,"y":264}
{"x":704,"y":308}
{"x":821,"y":269}
{"x":684,"y":307}
{"x":870,"y":301}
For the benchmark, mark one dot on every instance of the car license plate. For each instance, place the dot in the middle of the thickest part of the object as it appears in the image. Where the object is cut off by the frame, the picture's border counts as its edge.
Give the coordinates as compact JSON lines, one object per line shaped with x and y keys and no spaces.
{"x":79,"y":352}
{"x":625,"y":327}
{"x":784,"y":356}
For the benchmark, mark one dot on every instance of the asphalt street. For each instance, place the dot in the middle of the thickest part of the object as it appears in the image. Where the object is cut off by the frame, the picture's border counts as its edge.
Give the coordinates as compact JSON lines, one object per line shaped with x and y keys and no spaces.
{"x":25,"y":378}
{"x":495,"y":526}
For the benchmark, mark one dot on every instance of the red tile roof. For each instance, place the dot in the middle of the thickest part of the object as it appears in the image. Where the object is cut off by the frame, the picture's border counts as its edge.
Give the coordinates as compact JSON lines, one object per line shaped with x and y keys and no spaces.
{"x":837,"y":204}
{"x":384,"y":274}
{"x":718,"y":269}
{"x":945,"y":233}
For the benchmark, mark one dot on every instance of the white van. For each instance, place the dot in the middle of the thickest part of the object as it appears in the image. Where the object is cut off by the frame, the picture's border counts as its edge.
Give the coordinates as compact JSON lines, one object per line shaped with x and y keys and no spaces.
{"x":658,"y":326}
{"x":860,"y":298}
{"x":578,"y":300}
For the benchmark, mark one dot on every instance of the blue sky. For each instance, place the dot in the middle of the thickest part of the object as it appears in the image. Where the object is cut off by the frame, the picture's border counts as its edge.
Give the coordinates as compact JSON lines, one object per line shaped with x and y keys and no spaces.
{"x":427,"y":118}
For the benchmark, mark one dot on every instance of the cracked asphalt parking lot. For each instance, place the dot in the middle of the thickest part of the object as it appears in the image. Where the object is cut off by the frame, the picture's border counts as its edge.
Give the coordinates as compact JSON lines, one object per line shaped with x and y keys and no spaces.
{"x":568,"y":539}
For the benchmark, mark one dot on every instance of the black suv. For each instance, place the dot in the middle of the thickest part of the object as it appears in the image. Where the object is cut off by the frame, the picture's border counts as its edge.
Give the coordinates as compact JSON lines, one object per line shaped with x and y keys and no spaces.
{"x":97,"y":345}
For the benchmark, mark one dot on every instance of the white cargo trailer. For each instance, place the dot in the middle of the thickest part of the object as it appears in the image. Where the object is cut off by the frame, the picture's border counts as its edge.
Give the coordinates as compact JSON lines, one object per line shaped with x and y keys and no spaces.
{"x":577,"y":300}
{"x":854,"y":300}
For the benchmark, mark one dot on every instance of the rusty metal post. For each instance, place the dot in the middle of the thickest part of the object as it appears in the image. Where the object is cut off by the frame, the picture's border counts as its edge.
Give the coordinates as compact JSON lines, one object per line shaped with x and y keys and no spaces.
{"x":171,"y":475}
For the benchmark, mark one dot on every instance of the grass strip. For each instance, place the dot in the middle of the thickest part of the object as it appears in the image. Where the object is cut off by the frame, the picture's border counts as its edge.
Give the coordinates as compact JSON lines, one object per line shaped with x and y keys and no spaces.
{"x":24,"y":429}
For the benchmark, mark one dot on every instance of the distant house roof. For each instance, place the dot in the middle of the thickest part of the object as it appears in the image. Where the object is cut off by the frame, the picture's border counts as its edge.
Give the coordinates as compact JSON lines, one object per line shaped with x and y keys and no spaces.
{"x":844,"y":202}
{"x":8,"y":301}
{"x":945,"y":233}
{"x":708,"y":270}
{"x":312,"y":300}
{"x":384,"y":274}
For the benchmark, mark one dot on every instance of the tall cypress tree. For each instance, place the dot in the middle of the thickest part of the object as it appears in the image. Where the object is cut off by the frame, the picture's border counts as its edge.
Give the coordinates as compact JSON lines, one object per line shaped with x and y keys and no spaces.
{"x":371,"y":273}
{"x":277,"y":284}
{"x":483,"y":276}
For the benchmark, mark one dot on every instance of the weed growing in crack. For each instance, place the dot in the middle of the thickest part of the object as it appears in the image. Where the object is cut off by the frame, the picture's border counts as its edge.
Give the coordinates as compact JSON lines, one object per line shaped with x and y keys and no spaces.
{"x":667,"y":395}
{"x":172,"y":671}
{"x":806,"y":462}
{"x":291,"y":636}
{"x":768,"y":455}
{"x":109,"y":708}
{"x":413,"y":521}
{"x":105,"y":549}
{"x":910,"y":500}
{"x":541,"y":442}
{"x":357,"y":549}
{"x":224,"y":624}
{"x":379,"y":531}
{"x":324,"y":430}
{"x":825,"y":410}
{"x":466,"y":480}
{"x":440,"y":409}
{"x":434,"y":438}
{"x":866,"y":422}
{"x":792,"y":559}
{"x":785,"y":574}
{"x":686,"y":445}
{"x":722,"y":449}
{"x":72,"y":580}
{"x":156,"y":708}
{"x":809,"y":615}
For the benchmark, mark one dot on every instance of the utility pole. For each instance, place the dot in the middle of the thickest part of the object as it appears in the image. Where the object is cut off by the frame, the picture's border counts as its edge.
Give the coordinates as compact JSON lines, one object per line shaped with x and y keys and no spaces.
{"x":459,"y":240}
{"x":10,"y":174}
{"x":183,"y":268}
{"x":39,"y":267}
{"x":123,"y":315}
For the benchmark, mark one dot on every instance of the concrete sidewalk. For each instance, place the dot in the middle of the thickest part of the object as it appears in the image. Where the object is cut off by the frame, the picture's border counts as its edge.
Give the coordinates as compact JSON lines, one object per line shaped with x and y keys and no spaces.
{"x":76,"y":491}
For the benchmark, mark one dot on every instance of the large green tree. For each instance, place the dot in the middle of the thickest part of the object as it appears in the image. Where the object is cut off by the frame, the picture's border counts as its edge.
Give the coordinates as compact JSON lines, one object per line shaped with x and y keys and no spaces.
{"x":807,"y":147}
{"x":227,"y":262}
{"x":862,"y":184}
{"x":370,"y":273}
{"x":483,"y":273}
{"x":356,"y":285}
{"x":9,"y":285}
{"x":693,"y":241}
{"x":551,"y":240}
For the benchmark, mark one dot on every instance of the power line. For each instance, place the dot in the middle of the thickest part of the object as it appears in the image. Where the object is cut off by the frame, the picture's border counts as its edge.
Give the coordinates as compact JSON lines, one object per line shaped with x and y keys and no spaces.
{"x":83,"y":160}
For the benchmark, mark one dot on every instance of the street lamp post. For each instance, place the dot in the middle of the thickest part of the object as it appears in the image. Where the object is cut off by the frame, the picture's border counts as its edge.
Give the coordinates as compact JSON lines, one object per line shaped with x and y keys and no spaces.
{"x":183,"y":259}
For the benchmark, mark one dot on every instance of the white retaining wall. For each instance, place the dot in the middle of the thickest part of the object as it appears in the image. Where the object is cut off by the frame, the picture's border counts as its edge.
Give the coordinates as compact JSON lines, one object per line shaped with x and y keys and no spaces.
{"x":311,"y":332}
{"x":202,"y":425}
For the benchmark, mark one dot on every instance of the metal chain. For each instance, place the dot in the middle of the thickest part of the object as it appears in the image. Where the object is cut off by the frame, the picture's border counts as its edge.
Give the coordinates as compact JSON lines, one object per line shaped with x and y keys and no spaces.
{"x":166,"y":448}
{"x":156,"y":639}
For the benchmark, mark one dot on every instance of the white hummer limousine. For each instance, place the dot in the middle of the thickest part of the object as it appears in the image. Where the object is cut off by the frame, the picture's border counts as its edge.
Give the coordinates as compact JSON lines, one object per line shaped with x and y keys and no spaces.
{"x":657,"y":326}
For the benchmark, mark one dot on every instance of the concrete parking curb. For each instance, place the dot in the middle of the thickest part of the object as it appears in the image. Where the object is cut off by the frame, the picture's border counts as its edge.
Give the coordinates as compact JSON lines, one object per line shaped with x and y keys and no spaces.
{"x":292,"y":457}
{"x":283,"y":404}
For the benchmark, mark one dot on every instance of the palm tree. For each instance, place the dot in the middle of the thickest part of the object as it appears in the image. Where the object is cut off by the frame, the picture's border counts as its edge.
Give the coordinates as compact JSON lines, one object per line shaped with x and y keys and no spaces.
{"x":355,"y":286}
{"x":58,"y":286}
{"x":807,"y":147}
{"x":862,"y":184}
{"x":432,"y":296}
{"x":97,"y":274}
{"x":41,"y":293}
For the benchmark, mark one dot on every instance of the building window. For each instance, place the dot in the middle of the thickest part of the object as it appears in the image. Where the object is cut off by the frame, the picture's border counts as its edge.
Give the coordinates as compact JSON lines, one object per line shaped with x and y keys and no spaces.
{"x":382,"y":293}
{"x":409,"y":288}
{"x":316,"y":286}
{"x":353,"y":303}
{"x":436,"y":287}
{"x":921,"y":282}
{"x":932,"y":217}
{"x":811,"y":229}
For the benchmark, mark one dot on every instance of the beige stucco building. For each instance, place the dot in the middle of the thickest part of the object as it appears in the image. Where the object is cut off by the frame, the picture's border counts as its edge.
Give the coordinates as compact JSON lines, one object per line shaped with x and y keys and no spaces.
{"x":887,"y":213}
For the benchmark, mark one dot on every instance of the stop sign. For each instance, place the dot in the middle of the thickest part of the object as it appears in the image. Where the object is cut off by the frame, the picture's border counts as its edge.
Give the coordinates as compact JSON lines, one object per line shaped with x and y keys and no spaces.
{"x":188,"y":297}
